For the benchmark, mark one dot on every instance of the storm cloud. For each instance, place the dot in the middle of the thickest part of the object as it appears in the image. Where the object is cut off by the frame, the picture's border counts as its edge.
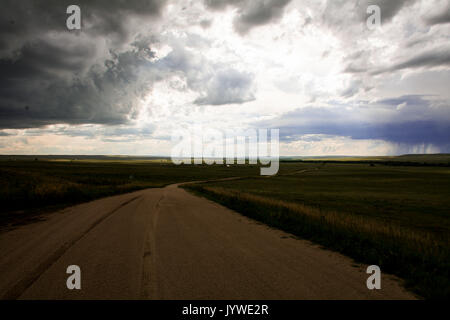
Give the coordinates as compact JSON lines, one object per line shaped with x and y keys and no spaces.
{"x":388,"y":8}
{"x":53,"y":75}
{"x":441,"y":17}
{"x":97,"y":75}
{"x":430,"y":58}
{"x":23,"y":21}
{"x":45,"y":86}
{"x":251,"y":13}
{"x":410,"y":120}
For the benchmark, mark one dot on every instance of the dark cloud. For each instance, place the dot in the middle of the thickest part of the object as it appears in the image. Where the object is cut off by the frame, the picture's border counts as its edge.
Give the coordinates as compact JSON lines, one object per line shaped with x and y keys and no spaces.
{"x":430,"y":58}
{"x":45,"y":86}
{"x":222,"y":4}
{"x":227,"y":87}
{"x":341,"y":15}
{"x":251,"y":13}
{"x":408,"y":119}
{"x":440,"y":18}
{"x":205,"y":24}
{"x":98,"y":75}
{"x":352,"y":68}
{"x":388,"y":8}
{"x":22,"y":21}
{"x":411,"y":133}
{"x":52,"y":75}
{"x":258,"y":13}
{"x":415,"y":100}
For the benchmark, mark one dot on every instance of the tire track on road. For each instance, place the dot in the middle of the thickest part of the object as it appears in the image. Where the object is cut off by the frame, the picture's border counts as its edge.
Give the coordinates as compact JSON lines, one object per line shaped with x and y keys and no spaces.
{"x":149,"y":282}
{"x":22,"y":285}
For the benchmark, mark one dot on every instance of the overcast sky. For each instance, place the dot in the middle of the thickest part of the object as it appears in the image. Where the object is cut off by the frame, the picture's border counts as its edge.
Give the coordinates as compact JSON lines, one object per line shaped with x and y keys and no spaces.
{"x":139,"y":69}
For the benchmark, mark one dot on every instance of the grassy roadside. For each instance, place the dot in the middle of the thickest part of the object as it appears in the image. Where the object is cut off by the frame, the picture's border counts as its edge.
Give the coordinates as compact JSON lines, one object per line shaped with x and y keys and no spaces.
{"x":420,"y":257}
{"x":30,"y":188}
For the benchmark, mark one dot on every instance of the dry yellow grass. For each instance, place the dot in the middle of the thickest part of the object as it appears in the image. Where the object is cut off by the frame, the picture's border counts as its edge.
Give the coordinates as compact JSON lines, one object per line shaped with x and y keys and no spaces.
{"x":420,"y":257}
{"x":424,"y":242}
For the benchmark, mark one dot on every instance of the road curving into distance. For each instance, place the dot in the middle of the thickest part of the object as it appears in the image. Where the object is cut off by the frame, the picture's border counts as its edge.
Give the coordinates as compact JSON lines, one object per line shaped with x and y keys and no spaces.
{"x":166,"y":243}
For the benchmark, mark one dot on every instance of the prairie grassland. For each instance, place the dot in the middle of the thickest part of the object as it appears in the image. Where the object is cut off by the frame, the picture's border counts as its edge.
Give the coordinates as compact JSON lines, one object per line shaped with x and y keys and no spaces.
{"x":29,"y":188}
{"x":441,"y":159}
{"x":394,"y":217}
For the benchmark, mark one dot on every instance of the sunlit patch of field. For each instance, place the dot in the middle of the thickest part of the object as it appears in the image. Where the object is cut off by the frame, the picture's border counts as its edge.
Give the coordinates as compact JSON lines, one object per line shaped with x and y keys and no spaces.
{"x":430,"y":159}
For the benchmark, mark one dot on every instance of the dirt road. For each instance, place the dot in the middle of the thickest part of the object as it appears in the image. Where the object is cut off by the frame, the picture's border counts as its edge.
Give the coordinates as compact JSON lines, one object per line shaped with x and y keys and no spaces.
{"x":168,"y":244}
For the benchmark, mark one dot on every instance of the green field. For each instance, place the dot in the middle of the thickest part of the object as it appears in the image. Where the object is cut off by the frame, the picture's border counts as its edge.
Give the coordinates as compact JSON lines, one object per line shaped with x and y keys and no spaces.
{"x":415,"y":197}
{"x":396,"y":217}
{"x":29,"y":188}
{"x":408,"y":159}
